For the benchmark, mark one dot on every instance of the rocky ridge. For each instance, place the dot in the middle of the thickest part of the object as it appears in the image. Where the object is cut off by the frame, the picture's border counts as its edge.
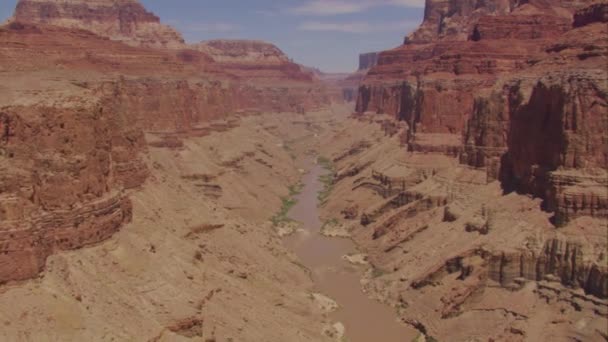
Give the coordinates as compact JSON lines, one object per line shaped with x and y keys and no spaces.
{"x":242,"y":51}
{"x":483,"y":196}
{"x":123,"y":20}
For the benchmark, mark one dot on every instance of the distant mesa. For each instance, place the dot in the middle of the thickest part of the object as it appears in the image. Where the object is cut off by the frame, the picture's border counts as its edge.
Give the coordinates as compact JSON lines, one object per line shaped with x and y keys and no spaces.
{"x":122,"y":20}
{"x":224,"y":50}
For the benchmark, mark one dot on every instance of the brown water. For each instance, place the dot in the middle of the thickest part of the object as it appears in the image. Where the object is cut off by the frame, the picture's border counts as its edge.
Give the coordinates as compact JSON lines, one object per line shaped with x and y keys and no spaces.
{"x":365,"y":320}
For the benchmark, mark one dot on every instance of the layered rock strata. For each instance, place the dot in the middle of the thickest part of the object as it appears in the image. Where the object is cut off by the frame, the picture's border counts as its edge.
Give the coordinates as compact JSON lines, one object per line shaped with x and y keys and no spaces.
{"x":123,"y":20}
{"x":447,"y":248}
{"x":64,"y":175}
{"x":520,"y":62}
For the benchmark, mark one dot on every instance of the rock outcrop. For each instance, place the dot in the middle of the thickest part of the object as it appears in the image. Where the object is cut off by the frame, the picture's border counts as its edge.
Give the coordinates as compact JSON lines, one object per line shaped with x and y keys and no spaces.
{"x":543,"y":128}
{"x":597,"y":13}
{"x":509,"y":59}
{"x":567,"y":261}
{"x":123,"y":20}
{"x":64,"y":172}
{"x":560,"y":260}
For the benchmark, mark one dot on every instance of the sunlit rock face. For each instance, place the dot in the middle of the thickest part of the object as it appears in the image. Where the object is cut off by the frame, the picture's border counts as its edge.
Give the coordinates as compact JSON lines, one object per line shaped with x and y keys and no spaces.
{"x":521,"y":62}
{"x":124,"y":20}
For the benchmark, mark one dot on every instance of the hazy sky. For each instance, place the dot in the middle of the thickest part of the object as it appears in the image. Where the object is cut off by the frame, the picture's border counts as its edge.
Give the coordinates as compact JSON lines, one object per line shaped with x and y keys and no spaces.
{"x":328,"y":34}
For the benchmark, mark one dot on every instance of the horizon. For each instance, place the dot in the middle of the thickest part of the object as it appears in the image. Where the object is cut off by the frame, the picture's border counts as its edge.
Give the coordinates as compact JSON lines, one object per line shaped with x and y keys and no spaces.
{"x":308,"y":30}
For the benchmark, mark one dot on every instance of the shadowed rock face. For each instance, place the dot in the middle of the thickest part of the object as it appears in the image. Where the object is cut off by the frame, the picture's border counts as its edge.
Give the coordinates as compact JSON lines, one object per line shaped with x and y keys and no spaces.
{"x":123,"y":20}
{"x":368,"y":60}
{"x":522,"y":63}
{"x":594,"y":13}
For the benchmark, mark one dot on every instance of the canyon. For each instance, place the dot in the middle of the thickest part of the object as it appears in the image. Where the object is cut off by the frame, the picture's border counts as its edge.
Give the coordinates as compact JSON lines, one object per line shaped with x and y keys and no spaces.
{"x":146,"y":182}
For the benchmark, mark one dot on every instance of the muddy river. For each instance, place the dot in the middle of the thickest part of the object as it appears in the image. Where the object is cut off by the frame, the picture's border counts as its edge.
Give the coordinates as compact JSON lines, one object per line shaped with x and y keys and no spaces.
{"x":365,"y":320}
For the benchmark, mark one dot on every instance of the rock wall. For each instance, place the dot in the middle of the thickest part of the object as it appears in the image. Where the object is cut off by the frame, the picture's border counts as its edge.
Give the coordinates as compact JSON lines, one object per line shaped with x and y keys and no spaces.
{"x":594,"y":13}
{"x":124,"y":20}
{"x":566,"y":260}
{"x":63,"y":180}
{"x":185,"y":106}
{"x":65,"y":171}
{"x":542,"y":131}
{"x":559,"y":260}
{"x":526,"y":96}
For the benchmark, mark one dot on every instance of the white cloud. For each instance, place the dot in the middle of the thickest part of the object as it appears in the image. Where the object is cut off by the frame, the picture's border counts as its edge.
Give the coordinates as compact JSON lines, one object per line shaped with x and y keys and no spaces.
{"x":336,"y":7}
{"x":357,"y":27}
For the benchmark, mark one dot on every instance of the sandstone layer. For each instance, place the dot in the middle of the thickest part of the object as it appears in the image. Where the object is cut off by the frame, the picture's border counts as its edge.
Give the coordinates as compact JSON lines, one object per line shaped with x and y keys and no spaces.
{"x":523,"y":64}
{"x":123,"y":20}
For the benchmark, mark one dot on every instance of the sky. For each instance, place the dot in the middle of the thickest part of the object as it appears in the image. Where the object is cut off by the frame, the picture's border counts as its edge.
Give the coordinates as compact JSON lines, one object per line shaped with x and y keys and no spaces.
{"x":326,"y":34}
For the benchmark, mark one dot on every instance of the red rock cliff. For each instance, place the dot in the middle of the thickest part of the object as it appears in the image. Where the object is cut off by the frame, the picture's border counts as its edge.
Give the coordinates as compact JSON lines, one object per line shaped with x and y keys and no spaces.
{"x":523,"y":83}
{"x":124,"y":20}
{"x":64,"y":172}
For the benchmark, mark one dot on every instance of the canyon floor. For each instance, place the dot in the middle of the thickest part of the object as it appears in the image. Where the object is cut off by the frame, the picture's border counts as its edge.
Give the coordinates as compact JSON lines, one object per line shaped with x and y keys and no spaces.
{"x":214,"y":251}
{"x":201,"y":258}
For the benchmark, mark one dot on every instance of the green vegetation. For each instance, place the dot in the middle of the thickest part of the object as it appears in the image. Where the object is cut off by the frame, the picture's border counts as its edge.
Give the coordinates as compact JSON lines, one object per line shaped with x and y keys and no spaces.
{"x":328,"y":185}
{"x":326,"y":179}
{"x":325,"y":162}
{"x":329,"y":223}
{"x":295,"y":189}
{"x":281,"y":216}
{"x":287,"y":147}
{"x":378,"y":272}
{"x":288,"y":203}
